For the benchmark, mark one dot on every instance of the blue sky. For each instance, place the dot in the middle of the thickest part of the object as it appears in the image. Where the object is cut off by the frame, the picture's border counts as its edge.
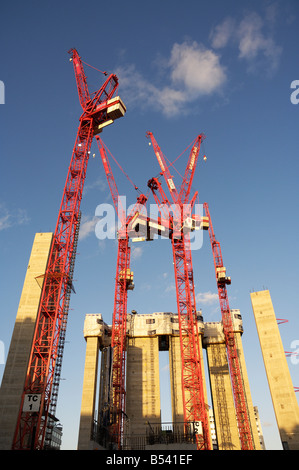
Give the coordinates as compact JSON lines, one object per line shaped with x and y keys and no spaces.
{"x":221,"y":68}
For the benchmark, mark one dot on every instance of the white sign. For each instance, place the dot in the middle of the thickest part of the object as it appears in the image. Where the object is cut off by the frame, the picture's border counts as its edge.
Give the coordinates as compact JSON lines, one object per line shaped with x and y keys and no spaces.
{"x":32,"y":402}
{"x":198,"y":427}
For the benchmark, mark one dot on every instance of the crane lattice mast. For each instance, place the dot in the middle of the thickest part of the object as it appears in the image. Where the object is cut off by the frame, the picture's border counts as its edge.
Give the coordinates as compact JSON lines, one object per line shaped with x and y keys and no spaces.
{"x":123,"y":283}
{"x":242,"y":414}
{"x":195,"y":410}
{"x":31,"y":426}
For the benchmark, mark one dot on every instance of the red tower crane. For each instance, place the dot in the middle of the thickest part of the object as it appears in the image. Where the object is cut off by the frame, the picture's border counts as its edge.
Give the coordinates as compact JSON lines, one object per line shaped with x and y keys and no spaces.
{"x":195,"y":410}
{"x":99,"y":110}
{"x":242,"y":414}
{"x":123,"y":283}
{"x":164,"y":168}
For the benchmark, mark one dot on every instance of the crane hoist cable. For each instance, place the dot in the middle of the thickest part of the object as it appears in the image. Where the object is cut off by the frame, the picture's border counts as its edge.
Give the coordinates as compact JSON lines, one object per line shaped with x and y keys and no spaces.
{"x":182,"y":153}
{"x":158,"y":176}
{"x":122,"y":170}
{"x":104,"y":73}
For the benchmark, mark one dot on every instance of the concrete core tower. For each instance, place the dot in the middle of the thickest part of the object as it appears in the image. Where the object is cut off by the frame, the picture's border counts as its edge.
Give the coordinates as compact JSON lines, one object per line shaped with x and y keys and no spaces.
{"x":280,"y":383}
{"x":148,"y":334}
{"x":18,"y":356}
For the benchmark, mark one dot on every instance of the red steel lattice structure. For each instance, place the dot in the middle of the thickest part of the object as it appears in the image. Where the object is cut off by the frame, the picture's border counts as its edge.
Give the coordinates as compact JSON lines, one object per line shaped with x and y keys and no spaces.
{"x":195,"y":410}
{"x":123,"y":283}
{"x":31,"y":426}
{"x":118,"y":341}
{"x":242,"y":414}
{"x":194,"y":402}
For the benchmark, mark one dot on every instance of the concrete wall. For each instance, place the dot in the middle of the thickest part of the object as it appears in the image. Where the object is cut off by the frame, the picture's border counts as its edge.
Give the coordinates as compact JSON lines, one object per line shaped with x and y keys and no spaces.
{"x":221,"y":390}
{"x":175,"y":370}
{"x":18,"y":356}
{"x":280,"y":383}
{"x":89,"y":392}
{"x":143,"y":386}
{"x":250,"y":407}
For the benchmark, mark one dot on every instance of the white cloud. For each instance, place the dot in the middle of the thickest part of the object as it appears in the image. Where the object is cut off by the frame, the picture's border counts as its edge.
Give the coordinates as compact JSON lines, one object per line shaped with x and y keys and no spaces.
{"x":136,"y":252}
{"x":170,"y":101}
{"x":254,"y":44}
{"x":137,"y":91}
{"x":87,"y":226}
{"x":206,"y":298}
{"x":253,"y":37}
{"x":10,"y":218}
{"x":4,"y":221}
{"x":222,"y":33}
{"x":271,"y":13}
{"x":98,"y":184}
{"x":198,"y":69}
{"x":170,"y":288}
{"x":191,"y":71}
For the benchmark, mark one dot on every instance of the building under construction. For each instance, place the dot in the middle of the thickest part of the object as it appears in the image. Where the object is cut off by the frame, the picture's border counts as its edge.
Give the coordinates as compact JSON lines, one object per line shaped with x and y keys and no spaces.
{"x":147,"y":335}
{"x":129,"y":410}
